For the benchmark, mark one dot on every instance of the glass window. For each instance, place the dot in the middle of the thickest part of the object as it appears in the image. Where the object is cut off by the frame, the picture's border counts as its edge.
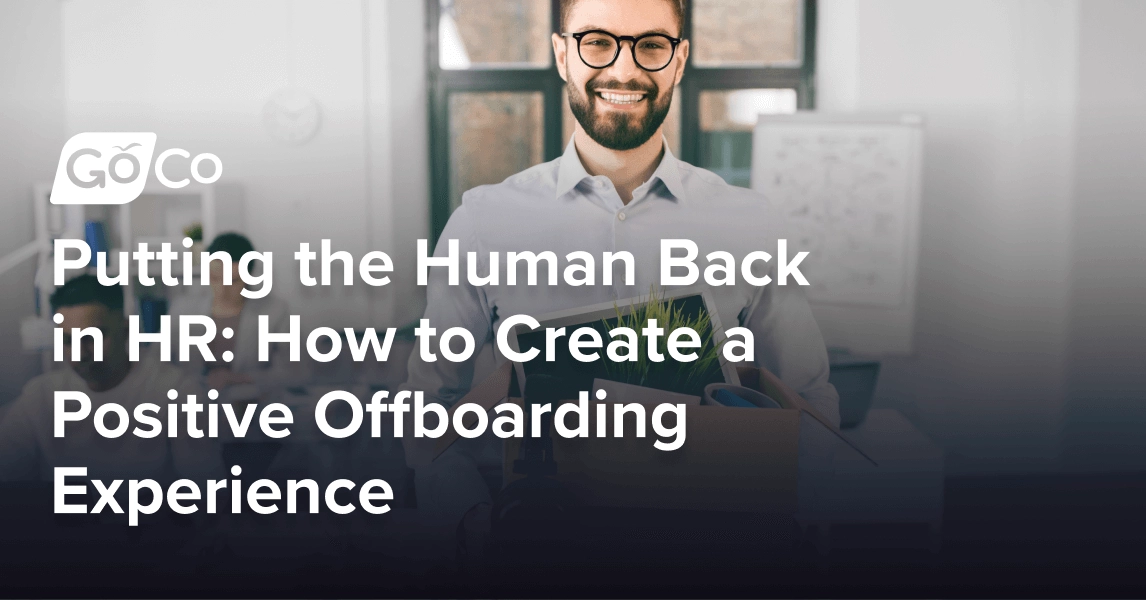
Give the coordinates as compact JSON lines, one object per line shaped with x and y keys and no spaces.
{"x":492,"y":136}
{"x":671,"y":124}
{"x":727,"y":118}
{"x":746,"y":32}
{"x":474,"y":34}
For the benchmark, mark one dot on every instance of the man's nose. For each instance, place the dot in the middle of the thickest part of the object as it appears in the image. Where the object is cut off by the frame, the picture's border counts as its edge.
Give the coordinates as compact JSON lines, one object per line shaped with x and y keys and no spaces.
{"x":625,"y":68}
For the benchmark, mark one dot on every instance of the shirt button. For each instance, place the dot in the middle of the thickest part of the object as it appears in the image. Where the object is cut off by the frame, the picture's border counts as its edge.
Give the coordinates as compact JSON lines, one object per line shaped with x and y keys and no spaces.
{"x":602,"y":184}
{"x":620,"y":216}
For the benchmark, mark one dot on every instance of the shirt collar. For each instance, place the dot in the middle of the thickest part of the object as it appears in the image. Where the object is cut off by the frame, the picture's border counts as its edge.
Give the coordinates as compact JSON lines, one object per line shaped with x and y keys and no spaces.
{"x":669,"y":174}
{"x":571,"y":172}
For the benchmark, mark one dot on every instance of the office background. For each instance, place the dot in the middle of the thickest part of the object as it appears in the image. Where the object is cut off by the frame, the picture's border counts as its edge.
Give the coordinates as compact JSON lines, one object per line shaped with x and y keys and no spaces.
{"x":1031,"y":307}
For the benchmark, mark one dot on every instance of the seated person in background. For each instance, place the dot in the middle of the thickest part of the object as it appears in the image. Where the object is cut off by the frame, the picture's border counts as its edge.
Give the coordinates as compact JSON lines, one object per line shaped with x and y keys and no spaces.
{"x":29,"y":449}
{"x":229,"y":308}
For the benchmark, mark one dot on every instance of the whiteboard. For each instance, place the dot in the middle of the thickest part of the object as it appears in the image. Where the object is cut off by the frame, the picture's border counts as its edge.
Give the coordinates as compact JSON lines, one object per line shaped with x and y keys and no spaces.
{"x":849,"y":187}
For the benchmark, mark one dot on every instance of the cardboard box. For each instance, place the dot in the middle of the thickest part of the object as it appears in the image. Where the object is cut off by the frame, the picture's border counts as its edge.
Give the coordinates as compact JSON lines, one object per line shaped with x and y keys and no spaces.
{"x":733,"y":459}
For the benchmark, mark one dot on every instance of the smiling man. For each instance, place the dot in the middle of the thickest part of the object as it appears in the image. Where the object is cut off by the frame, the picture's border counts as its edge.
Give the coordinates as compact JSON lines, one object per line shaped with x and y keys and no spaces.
{"x":616,"y":188}
{"x":620,"y":62}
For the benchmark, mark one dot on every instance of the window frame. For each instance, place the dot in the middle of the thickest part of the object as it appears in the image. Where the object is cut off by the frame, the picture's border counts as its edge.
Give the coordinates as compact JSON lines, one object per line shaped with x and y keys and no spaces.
{"x":442,"y":83}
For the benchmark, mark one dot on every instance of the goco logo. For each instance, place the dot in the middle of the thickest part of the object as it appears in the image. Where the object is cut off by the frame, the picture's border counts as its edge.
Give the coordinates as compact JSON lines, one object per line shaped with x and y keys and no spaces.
{"x":111,"y":168}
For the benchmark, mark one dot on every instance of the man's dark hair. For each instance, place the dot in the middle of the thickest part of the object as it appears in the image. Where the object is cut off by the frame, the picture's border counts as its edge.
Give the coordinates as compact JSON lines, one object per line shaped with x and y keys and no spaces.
{"x":232,"y":243}
{"x":677,"y":8}
{"x":86,"y":289}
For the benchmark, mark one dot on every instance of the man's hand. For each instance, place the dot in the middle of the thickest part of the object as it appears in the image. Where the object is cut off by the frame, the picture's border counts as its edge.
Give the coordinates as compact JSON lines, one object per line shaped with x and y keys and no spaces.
{"x":765,"y":382}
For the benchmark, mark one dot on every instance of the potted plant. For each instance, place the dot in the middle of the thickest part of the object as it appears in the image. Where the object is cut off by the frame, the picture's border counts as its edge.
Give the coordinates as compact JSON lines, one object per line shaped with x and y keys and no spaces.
{"x":646,"y":381}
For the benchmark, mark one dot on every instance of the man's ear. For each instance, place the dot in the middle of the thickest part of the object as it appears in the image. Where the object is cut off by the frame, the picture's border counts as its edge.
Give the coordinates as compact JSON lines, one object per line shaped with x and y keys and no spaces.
{"x":682,"y":59}
{"x":559,"y":55}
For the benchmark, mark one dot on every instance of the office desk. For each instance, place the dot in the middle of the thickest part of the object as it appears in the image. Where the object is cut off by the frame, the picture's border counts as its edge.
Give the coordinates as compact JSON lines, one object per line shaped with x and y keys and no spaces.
{"x":906,"y":488}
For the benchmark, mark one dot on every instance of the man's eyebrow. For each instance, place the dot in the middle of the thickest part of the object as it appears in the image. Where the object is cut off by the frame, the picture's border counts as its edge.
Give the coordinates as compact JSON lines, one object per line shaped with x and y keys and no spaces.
{"x":650,"y":31}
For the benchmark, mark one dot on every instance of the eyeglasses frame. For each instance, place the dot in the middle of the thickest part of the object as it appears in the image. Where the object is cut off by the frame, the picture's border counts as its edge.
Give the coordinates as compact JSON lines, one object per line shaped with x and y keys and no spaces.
{"x":675,"y":41}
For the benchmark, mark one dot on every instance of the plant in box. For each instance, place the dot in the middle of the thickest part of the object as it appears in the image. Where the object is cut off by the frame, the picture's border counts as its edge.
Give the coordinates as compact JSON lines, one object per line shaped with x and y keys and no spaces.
{"x":642,"y":379}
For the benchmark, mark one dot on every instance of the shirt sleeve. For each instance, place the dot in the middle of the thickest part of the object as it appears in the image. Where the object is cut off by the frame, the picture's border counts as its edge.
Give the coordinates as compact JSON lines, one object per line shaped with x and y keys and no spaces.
{"x":461,"y":305}
{"x":451,"y":485}
{"x":790,"y":345}
{"x":19,"y":445}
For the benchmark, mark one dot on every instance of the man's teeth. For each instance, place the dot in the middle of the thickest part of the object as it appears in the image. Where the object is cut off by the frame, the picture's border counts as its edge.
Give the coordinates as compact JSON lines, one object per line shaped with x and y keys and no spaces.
{"x":621,"y":98}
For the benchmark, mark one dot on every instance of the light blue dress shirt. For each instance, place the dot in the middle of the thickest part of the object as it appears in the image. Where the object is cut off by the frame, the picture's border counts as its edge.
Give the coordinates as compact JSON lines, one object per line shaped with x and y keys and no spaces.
{"x":558,"y":206}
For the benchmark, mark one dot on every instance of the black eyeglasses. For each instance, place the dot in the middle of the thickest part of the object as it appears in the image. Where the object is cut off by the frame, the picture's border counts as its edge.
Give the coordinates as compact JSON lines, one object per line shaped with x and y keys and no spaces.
{"x":600,"y":49}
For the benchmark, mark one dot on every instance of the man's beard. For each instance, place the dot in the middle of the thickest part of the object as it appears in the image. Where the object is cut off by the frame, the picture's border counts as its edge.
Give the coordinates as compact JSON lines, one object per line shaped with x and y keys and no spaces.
{"x":617,"y":130}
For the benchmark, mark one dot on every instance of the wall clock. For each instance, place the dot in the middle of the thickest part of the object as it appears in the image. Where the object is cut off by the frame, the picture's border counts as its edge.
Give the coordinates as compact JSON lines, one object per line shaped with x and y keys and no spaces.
{"x":292,"y":116}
